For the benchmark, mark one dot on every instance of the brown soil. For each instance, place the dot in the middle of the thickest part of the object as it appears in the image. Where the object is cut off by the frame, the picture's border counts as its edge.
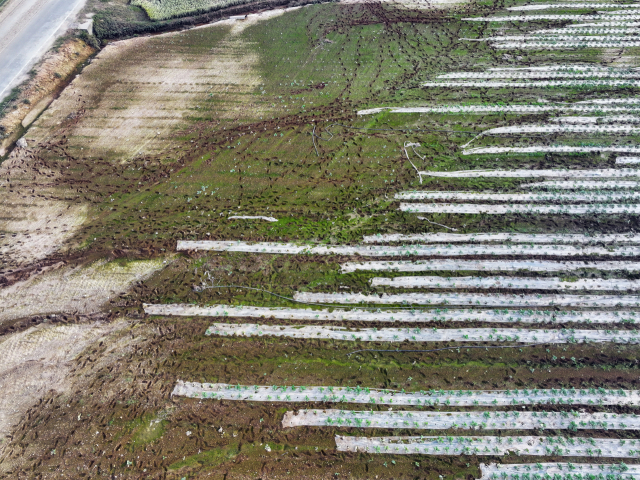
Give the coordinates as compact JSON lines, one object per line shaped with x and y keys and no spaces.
{"x":36,"y":362}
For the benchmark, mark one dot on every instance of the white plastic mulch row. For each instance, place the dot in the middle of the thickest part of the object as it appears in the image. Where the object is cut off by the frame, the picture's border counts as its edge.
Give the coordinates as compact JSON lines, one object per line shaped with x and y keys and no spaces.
{"x":523,"y":197}
{"x":407,"y":250}
{"x":564,"y":45}
{"x":615,"y":129}
{"x":571,"y":5}
{"x":627,"y":160}
{"x":594,"y":29}
{"x":471,"y":299}
{"x":564,"y":471}
{"x":594,"y":120}
{"x":575,"y":37}
{"x":535,"y":18}
{"x":401,"y":316}
{"x":417,"y":334}
{"x":482,"y":109}
{"x":616,"y":14}
{"x":547,"y":446}
{"x":486,"y":420}
{"x":552,"y":149}
{"x":518,"y":283}
{"x":561,"y":39}
{"x":543,"y":83}
{"x":604,"y":72}
{"x":586,"y":30}
{"x":605,"y":23}
{"x":579,"y":185}
{"x":470,"y":208}
{"x":497,"y":237}
{"x":567,"y":67}
{"x":486,"y":265}
{"x":568,"y":36}
{"x":607,"y":101}
{"x":223,"y":391}
{"x":605,"y":173}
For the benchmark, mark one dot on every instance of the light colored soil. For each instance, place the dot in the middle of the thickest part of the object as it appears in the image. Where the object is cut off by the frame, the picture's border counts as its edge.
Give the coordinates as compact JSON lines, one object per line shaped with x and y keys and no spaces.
{"x":138,"y":92}
{"x":617,"y":57}
{"x":374,"y":396}
{"x":51,"y":352}
{"x":413,"y":316}
{"x":69,"y":289}
{"x":32,"y":228}
{"x":495,"y":237}
{"x":37,"y":361}
{"x":470,"y":299}
{"x":133,"y":96}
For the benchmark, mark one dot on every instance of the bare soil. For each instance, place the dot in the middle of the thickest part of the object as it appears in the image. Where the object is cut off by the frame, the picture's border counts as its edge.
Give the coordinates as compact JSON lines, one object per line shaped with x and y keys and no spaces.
{"x":36,"y":362}
{"x":52,"y":74}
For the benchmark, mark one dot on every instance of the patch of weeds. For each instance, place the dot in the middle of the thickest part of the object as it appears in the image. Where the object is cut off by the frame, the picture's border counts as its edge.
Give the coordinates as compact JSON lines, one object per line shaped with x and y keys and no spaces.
{"x":210,"y":458}
{"x":10,"y":98}
{"x":148,"y":432}
{"x":89,"y":39}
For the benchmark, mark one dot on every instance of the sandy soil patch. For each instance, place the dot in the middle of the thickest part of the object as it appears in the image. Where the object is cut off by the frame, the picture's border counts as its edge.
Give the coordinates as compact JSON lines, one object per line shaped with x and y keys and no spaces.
{"x":138,"y":92}
{"x":70,"y":289}
{"x":37,"y":361}
{"x":32,"y":225}
{"x":33,"y":228}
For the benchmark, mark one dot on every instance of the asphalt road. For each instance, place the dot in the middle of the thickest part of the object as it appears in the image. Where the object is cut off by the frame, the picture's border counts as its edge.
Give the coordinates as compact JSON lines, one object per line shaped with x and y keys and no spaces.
{"x":28,"y":28}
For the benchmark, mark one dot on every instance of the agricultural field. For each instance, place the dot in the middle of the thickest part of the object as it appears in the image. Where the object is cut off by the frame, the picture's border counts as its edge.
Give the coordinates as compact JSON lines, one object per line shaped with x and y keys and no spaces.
{"x":163,"y":9}
{"x":336,"y":240}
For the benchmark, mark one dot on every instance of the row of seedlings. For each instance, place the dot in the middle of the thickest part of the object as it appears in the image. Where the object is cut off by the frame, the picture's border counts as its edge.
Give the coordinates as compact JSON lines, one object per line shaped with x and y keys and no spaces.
{"x":443,"y":315}
{"x":472,"y":299}
{"x":475,"y":420}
